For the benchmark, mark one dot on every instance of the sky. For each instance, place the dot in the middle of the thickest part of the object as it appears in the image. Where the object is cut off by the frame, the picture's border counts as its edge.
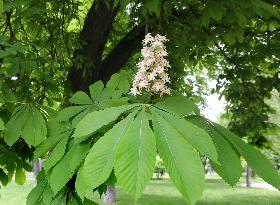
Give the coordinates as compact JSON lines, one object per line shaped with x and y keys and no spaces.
{"x":214,"y":106}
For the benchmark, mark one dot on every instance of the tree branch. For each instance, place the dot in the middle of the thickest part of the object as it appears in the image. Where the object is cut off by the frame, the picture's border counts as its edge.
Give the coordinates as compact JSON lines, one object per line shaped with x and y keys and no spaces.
{"x":93,"y":38}
{"x":119,"y":56}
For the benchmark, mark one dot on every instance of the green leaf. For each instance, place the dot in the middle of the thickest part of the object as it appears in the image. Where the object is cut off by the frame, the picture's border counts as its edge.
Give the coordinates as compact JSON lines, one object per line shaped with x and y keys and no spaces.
{"x":56,"y":131}
{"x":230,"y":168}
{"x":178,"y":104}
{"x":120,"y":82}
{"x":20,"y":177}
{"x":34,"y":130}
{"x":98,"y":164}
{"x":2,"y":126}
{"x":198,"y":137}
{"x":81,"y":98}
{"x":180,"y":159}
{"x":75,"y":200}
{"x":96,"y":90}
{"x":67,"y":166}
{"x":82,"y":114}
{"x":111,"y":96}
{"x":113,"y":102}
{"x":57,"y":153}
{"x":47,"y":195}
{"x":15,"y":125}
{"x":69,"y":112}
{"x":36,"y":193}
{"x":135,"y":158}
{"x":107,"y":94}
{"x":258,"y":162}
{"x":59,"y":199}
{"x":97,"y":119}
{"x":28,"y":123}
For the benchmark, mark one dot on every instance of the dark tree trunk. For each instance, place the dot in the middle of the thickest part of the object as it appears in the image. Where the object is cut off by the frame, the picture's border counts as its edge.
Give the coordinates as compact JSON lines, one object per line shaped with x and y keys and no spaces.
{"x":248,"y":177}
{"x":88,"y":66}
{"x":118,"y":57}
{"x":93,"y":37}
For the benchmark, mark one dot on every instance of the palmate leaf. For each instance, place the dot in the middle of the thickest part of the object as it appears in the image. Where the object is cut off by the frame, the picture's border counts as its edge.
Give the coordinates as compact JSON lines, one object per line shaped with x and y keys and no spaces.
{"x":120,"y":82}
{"x":180,"y":159}
{"x":35,"y":196}
{"x":99,"y":162}
{"x":27,"y":123}
{"x":135,"y":158}
{"x":97,"y":119}
{"x":74,"y":199}
{"x":83,"y":106}
{"x":47,"y":194}
{"x":59,"y":199}
{"x":111,"y":95}
{"x":81,"y":98}
{"x":82,"y":114}
{"x":34,"y":130}
{"x":15,"y":125}
{"x":178,"y":104}
{"x":96,"y":90}
{"x":67,"y":113}
{"x":229,"y":167}
{"x":56,"y":131}
{"x":258,"y":162}
{"x":74,"y":114}
{"x":57,"y":153}
{"x":101,"y":98}
{"x":198,"y":137}
{"x":67,"y":166}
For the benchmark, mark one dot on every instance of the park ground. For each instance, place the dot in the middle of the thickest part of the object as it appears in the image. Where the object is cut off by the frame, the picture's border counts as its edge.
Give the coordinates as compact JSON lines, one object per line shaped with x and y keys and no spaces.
{"x":163,"y":192}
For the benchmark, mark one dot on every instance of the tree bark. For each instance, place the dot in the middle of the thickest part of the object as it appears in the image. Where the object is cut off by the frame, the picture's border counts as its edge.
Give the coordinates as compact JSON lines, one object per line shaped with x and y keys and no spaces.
{"x":121,"y":53}
{"x":110,"y":195}
{"x":93,"y":37}
{"x":88,"y":66}
{"x":248,"y":176}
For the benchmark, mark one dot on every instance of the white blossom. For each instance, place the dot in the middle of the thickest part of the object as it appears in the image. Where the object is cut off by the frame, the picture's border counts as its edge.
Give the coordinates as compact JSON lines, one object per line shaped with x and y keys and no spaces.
{"x":152,"y":75}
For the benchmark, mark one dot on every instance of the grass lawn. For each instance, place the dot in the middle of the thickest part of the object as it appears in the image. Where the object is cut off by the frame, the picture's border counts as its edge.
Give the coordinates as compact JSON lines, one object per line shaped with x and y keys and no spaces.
{"x":164,"y":193}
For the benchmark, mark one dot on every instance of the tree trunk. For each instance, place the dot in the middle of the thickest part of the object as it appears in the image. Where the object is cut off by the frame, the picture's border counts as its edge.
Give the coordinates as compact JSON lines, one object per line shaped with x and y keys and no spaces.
{"x":88,"y":63}
{"x":248,"y":176}
{"x":110,"y":195}
{"x":93,"y":38}
{"x":36,"y":169}
{"x":121,"y":53}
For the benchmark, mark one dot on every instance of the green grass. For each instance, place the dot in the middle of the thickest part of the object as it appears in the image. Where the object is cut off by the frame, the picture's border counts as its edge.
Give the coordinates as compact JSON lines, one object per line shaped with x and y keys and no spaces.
{"x":164,"y":193}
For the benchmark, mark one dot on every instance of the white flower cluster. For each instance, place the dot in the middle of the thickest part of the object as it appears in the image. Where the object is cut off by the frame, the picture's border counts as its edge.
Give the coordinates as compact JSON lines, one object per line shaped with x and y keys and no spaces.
{"x":151,"y":75}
